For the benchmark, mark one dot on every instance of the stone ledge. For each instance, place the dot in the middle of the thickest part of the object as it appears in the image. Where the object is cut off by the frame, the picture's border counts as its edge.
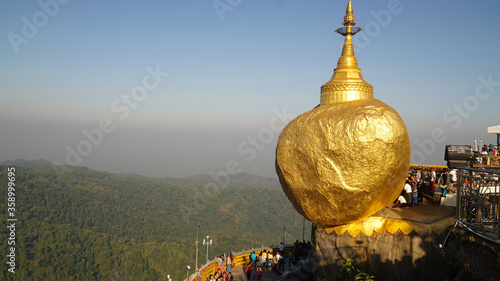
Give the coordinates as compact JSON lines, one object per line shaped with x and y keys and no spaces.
{"x":423,"y":219}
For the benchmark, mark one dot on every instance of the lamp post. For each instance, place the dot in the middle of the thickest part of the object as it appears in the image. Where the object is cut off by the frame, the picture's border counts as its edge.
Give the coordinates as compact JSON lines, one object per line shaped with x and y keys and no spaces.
{"x":197,"y":231}
{"x":207,"y":242}
{"x":303,"y":228}
{"x":196,"y":268}
{"x":283,"y":235}
{"x":187,"y":273}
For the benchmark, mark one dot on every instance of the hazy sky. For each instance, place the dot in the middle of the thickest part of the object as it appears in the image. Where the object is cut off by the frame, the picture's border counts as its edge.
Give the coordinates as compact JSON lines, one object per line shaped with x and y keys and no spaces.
{"x":173,"y":88}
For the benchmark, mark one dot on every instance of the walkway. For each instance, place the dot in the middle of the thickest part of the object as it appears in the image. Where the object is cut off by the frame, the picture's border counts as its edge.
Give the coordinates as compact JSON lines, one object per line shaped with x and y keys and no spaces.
{"x":240,"y":275}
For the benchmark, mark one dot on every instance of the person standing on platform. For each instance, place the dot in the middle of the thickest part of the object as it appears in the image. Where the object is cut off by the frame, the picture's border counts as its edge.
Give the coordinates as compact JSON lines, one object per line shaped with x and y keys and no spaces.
{"x":447,"y":177}
{"x":219,"y":262}
{"x":418,"y":176}
{"x":290,"y":258}
{"x":281,"y":263}
{"x":420,"y":186}
{"x":438,"y":190}
{"x":433,"y":180}
{"x":229,"y":263}
{"x":408,"y":192}
{"x":414,"y":191}
{"x":453,"y":174}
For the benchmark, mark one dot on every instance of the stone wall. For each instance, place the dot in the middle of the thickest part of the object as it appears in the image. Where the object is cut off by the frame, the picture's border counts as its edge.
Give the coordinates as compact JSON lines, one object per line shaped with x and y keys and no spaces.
{"x":387,"y":256}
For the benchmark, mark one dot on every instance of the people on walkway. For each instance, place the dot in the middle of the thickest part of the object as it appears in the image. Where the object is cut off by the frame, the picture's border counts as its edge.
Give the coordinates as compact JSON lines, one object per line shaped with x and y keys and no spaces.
{"x":259,"y":273}
{"x":253,"y":256}
{"x":248,"y":270}
{"x":281,"y":262}
{"x":220,"y":276}
{"x":254,"y":269}
{"x":269,"y":261}
{"x":275,"y":263}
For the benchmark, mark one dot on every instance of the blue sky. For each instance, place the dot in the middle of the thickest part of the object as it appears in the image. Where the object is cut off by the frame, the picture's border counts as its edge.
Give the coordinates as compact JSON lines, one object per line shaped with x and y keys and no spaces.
{"x":223,"y":70}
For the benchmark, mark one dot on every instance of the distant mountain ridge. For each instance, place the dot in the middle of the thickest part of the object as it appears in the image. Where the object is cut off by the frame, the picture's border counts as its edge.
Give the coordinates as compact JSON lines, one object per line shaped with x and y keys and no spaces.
{"x":196,"y":181}
{"x":37,"y":165}
{"x":235,"y":180}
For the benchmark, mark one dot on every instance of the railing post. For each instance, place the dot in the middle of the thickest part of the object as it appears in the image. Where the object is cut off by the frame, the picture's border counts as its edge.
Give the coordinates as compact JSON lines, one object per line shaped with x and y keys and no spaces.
{"x":498,"y":207}
{"x":459,"y":188}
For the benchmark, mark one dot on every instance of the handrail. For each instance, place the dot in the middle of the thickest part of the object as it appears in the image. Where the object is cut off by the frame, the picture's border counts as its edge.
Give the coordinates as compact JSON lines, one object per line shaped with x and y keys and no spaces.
{"x":478,"y":201}
{"x":239,"y":258}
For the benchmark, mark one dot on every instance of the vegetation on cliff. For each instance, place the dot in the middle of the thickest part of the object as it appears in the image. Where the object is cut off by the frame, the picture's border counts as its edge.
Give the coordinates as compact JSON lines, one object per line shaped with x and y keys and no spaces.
{"x":81,"y":224}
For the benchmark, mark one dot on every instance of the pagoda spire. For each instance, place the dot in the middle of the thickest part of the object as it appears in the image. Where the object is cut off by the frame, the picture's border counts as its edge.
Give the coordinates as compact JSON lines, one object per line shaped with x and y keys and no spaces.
{"x":347,"y":83}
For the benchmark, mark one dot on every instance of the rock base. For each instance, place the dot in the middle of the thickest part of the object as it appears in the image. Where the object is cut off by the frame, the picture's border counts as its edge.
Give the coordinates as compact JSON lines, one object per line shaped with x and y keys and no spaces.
{"x":393,"y":244}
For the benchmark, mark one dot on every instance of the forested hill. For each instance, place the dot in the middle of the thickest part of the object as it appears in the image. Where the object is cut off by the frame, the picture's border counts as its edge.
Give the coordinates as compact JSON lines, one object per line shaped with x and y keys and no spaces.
{"x":81,"y":224}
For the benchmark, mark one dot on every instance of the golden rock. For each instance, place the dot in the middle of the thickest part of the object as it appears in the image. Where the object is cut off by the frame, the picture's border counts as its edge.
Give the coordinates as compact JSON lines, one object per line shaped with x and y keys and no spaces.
{"x":347,"y":158}
{"x":342,"y":162}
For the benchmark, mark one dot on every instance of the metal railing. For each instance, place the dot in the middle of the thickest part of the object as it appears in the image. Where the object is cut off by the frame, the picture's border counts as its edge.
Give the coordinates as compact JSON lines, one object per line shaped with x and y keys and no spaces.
{"x":478,"y":200}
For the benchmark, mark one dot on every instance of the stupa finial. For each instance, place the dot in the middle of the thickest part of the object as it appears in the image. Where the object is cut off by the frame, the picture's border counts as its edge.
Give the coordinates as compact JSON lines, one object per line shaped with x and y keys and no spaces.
{"x":349,"y":15}
{"x":347,"y":83}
